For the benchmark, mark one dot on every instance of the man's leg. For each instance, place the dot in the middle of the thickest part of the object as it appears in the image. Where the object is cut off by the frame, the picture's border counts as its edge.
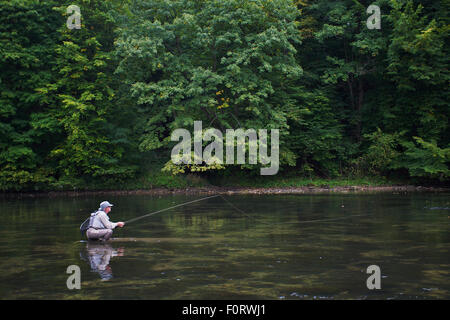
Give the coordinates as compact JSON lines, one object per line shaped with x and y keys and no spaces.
{"x":101,"y":234}
{"x":107,"y":234}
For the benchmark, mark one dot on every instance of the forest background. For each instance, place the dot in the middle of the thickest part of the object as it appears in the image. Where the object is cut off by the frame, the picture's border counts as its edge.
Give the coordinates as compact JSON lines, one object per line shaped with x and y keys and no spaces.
{"x":93,"y":108}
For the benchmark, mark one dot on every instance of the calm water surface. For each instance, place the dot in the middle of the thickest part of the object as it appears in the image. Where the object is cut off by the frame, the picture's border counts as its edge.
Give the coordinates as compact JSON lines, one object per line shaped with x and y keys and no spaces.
{"x":283,"y":247}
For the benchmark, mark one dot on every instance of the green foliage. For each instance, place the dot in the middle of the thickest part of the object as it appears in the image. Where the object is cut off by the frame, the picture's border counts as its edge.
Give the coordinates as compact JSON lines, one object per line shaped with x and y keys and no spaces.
{"x":229,"y":63}
{"x":418,"y":66}
{"x":83,"y":100}
{"x":380,"y":154}
{"x":425,"y":159}
{"x":94,"y":108}
{"x":183,"y":168}
{"x":292,"y":178}
{"x":384,"y":83}
{"x":160,"y":179}
{"x":26,"y":44}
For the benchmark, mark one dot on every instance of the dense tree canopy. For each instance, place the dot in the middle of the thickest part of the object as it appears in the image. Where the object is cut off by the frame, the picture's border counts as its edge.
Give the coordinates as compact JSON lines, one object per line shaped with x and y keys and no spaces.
{"x":95,"y":106}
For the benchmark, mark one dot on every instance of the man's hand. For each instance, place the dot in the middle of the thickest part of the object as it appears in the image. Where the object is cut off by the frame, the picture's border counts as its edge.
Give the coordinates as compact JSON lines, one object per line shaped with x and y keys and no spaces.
{"x":121,"y":224}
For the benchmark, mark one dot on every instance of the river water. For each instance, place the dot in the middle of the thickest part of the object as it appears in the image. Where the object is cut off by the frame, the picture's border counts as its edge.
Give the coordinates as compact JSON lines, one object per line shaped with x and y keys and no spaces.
{"x":315,"y":246}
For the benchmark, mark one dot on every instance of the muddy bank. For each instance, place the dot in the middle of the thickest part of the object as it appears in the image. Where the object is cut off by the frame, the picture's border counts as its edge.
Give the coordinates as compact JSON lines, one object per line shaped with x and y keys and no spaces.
{"x":235,"y":190}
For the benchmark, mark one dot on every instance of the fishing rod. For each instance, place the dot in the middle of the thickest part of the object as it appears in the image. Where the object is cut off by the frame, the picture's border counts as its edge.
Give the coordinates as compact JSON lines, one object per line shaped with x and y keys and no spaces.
{"x":176,"y":206}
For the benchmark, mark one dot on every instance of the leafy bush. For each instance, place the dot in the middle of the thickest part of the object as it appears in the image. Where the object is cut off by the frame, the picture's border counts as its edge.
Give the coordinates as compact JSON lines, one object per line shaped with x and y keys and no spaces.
{"x":380,"y":154}
{"x":425,"y":159}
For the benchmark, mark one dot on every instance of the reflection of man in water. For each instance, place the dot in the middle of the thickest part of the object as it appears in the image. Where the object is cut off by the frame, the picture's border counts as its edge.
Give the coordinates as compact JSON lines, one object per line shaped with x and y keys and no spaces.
{"x":99,"y":255}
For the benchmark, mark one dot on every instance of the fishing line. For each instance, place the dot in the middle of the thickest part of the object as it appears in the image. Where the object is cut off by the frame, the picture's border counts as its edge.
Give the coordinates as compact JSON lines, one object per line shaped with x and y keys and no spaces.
{"x":332,"y":219}
{"x":178,"y":205}
{"x":296,"y":222}
{"x":241,"y":211}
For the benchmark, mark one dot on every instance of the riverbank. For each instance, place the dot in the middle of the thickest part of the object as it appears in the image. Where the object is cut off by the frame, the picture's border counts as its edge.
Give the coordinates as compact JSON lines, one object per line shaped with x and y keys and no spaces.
{"x":235,"y":190}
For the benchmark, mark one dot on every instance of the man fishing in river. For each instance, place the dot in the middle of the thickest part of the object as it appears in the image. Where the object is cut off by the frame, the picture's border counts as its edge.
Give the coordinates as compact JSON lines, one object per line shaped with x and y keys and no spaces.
{"x":100,"y":228}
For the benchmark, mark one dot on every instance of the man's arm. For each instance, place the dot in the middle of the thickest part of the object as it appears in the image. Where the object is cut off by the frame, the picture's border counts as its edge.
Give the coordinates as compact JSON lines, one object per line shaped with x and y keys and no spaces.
{"x":105,"y":220}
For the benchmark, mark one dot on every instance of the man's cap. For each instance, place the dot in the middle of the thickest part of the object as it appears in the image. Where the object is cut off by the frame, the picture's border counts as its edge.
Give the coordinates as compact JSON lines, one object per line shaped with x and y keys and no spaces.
{"x":105,"y":204}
